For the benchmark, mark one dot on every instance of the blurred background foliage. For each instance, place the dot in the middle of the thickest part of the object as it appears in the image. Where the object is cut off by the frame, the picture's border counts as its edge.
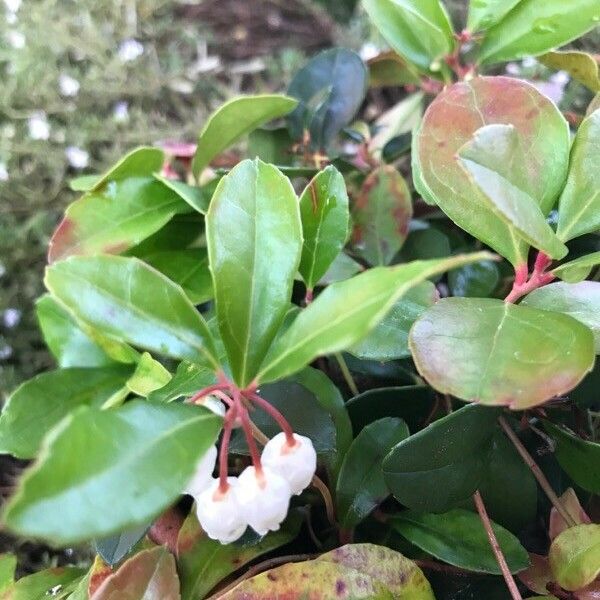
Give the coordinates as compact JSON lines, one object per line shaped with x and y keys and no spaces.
{"x":83,"y":80}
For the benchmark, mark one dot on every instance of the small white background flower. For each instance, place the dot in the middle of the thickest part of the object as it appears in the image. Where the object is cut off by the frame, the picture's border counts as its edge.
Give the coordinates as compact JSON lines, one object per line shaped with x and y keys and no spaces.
{"x":76,"y":157}
{"x":129,"y":50}
{"x":39,"y":128}
{"x":68,"y":86}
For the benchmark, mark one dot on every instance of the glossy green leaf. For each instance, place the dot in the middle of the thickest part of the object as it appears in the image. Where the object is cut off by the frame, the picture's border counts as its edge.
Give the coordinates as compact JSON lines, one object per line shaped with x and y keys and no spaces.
{"x":325,"y":222}
{"x":94,"y":476}
{"x":114,"y":548}
{"x":342,"y":268}
{"x":197,"y":197}
{"x":578,"y":300}
{"x":577,"y":270}
{"x":360,"y":485}
{"x":235,"y":119}
{"x":114,"y":218}
{"x":575,"y":556}
{"x":140,"y":162}
{"x":459,"y":538}
{"x":537,"y":26}
{"x":149,"y":375}
{"x":451,"y":121}
{"x":84,"y":183}
{"x":412,"y":403}
{"x":479,"y":279}
{"x":495,"y":164}
{"x":149,"y":575}
{"x":203,"y":562}
{"x":254,"y":237}
{"x":330,"y":89}
{"x":39,"y":404}
{"x":8,"y":565}
{"x":449,"y":455}
{"x":180,"y":233}
{"x":39,"y":585}
{"x":579,"y":206}
{"x":271,"y":145}
{"x":129,"y":301}
{"x":353,"y":571}
{"x":381,"y":214}
{"x":419,"y":30}
{"x":510,"y":355}
{"x":188,"y":379}
{"x":485,"y":13}
{"x":579,"y":65}
{"x":187,"y":268}
{"x":346,"y":311}
{"x":65,"y":339}
{"x":389,"y":339}
{"x":388,"y":68}
{"x":578,"y":457}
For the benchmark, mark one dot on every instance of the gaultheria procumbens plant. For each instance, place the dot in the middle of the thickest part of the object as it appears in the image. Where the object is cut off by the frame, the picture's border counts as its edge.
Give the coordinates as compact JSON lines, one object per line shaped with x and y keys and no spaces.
{"x":310,"y":348}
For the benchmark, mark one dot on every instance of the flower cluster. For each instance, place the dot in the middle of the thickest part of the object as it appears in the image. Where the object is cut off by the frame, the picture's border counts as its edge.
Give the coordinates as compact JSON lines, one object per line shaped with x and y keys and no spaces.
{"x":260,"y":496}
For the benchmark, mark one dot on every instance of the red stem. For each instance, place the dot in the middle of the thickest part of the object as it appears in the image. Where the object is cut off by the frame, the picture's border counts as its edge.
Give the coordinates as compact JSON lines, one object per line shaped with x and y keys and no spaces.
{"x":223,"y":396}
{"x":247,"y":427}
{"x":224,"y":450}
{"x":524,"y":285}
{"x":281,"y":420}
{"x":208,"y":390}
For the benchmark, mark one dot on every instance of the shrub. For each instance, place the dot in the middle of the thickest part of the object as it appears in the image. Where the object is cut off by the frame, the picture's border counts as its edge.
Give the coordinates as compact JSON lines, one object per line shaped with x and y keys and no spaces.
{"x":398,"y":376}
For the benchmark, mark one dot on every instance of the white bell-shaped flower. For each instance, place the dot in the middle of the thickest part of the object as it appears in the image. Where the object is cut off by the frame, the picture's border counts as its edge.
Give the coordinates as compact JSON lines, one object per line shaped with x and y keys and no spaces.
{"x":263,"y":499}
{"x":296,"y":464}
{"x":219,"y":514}
{"x":203,"y":474}
{"x":213,"y":404}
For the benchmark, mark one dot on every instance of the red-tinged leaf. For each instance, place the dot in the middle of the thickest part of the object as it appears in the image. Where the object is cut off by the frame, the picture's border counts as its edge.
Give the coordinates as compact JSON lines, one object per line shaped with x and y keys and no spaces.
{"x":149,"y":575}
{"x":571,"y":504}
{"x":97,"y":574}
{"x":381,"y":213}
{"x":538,"y":575}
{"x":450,"y":122}
{"x":165,"y":529}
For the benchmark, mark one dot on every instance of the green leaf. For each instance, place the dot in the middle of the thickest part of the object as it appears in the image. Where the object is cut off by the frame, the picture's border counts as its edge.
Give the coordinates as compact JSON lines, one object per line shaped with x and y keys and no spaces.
{"x":510,"y":355}
{"x":187,"y":268}
{"x":84,"y":183}
{"x":537,"y":26}
{"x":389,"y":69}
{"x":197,"y":197}
{"x":149,"y":375}
{"x":188,"y":379}
{"x":254,"y":238}
{"x":575,"y":556}
{"x":451,"y":121}
{"x":342,"y":268}
{"x":203,"y":562}
{"x":360,"y":485}
{"x":236,"y":118}
{"x":419,"y":30}
{"x":36,"y":406}
{"x":114,"y":217}
{"x":493,"y":161}
{"x":578,"y":300}
{"x":114,"y":548}
{"x":577,"y":457}
{"x":577,"y":270}
{"x":8,"y":565}
{"x":581,"y":66}
{"x":140,"y":162}
{"x":38,"y":585}
{"x":271,"y":145}
{"x":330,"y":89}
{"x":104,"y":471}
{"x":346,"y":311}
{"x":354,"y":571}
{"x":381,"y":215}
{"x":389,"y":339}
{"x":129,"y":301}
{"x":149,"y":575}
{"x":579,"y":205}
{"x":325,"y":222}
{"x":411,"y":403}
{"x":438,"y":535}
{"x":449,"y":455}
{"x":485,"y":13}
{"x":68,"y":343}
{"x":478,"y":280}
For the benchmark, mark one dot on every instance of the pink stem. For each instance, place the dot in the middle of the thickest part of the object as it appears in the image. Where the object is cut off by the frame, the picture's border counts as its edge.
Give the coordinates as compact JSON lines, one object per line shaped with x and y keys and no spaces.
{"x":254,"y":453}
{"x":223,"y":396}
{"x":281,"y":420}
{"x":224,"y":450}
{"x":524,"y":285}
{"x":207,"y":390}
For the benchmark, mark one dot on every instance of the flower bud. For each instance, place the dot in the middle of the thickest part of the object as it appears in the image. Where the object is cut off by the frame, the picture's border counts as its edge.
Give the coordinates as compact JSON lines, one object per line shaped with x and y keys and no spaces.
{"x":203,"y":474}
{"x":296,"y":464}
{"x":263,"y":499}
{"x":213,"y":404}
{"x":219,"y":513}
